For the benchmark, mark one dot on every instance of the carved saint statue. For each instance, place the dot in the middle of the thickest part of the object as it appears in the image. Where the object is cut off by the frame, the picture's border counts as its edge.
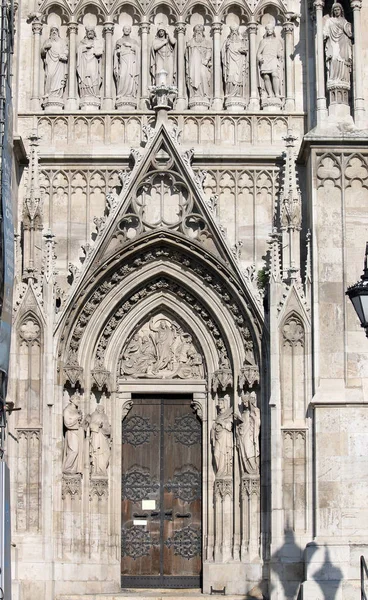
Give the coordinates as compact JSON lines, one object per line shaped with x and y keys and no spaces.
{"x":100,"y":430}
{"x":337,"y":33}
{"x":222,"y":438}
{"x":89,"y":55}
{"x":74,"y":436}
{"x":198,"y":58}
{"x":54,"y":53}
{"x":126,"y":65}
{"x":233,"y":55}
{"x":163,"y":56}
{"x":247,"y":434}
{"x":270,"y":61}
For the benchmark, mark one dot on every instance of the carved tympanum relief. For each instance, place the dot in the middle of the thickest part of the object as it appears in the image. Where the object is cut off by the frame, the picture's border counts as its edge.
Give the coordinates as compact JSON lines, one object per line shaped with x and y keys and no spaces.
{"x":161,"y":349}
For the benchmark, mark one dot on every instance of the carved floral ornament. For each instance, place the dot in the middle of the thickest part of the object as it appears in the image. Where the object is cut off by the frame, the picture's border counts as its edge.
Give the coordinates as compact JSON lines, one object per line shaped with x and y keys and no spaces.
{"x":29,"y":331}
{"x":293,"y":332}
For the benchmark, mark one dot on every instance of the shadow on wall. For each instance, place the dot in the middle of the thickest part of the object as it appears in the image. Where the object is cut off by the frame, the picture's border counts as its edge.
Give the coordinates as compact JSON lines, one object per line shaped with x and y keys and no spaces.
{"x":288,"y":564}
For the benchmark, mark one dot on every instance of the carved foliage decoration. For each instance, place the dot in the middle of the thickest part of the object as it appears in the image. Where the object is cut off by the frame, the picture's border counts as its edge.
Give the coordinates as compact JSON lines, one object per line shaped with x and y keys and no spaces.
{"x":161,"y":349}
{"x":71,"y":485}
{"x":137,"y":484}
{"x":186,"y":542}
{"x":249,"y":486}
{"x":99,"y":488}
{"x":29,"y":331}
{"x":223,"y":488}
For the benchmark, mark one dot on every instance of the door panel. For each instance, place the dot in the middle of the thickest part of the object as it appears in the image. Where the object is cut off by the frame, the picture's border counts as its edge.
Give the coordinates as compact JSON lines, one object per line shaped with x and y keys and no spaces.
{"x":161,"y":494}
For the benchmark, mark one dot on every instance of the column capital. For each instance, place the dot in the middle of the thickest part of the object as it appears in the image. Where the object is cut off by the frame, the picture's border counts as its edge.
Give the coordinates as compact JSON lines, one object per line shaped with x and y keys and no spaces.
{"x":356,"y":4}
{"x":36,"y":27}
{"x":144,"y":25}
{"x":180,"y":27}
{"x":288,"y":27}
{"x":108,"y":27}
{"x":216,"y":27}
{"x":252,"y":27}
{"x":318,"y":4}
{"x":72,"y":27}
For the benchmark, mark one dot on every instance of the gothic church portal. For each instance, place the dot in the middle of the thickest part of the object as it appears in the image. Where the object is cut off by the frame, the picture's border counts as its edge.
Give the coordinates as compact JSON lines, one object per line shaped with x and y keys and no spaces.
{"x":191,"y":192}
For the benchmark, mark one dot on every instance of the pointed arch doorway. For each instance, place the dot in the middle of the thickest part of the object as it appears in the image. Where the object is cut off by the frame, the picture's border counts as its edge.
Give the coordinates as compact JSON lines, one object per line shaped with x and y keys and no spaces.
{"x":161,"y":509}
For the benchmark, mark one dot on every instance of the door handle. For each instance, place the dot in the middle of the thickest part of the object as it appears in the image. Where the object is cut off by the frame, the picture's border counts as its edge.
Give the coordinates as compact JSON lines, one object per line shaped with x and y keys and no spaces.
{"x":183,"y":515}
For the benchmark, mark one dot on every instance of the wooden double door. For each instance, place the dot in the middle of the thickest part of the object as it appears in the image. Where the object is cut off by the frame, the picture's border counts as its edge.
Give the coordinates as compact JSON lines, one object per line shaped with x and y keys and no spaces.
{"x":161,"y":534}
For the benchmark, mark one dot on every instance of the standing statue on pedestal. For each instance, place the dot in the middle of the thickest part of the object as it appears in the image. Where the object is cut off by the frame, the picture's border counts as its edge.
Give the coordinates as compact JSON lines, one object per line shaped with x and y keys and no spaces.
{"x":270,"y":66}
{"x":74,"y":436}
{"x":126,"y":70}
{"x":89,"y":56}
{"x":163,"y":56}
{"x":235,"y":68}
{"x":54,"y":53}
{"x":100,"y":431}
{"x":198,"y":60}
{"x":337,"y":33}
{"x":247,"y":434}
{"x":222,"y":438}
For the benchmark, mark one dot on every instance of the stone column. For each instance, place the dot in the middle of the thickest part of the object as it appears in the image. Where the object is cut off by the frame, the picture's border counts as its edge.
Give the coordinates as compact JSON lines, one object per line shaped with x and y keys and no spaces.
{"x":359,"y":111}
{"x":253,"y":97}
{"x":181,"y":103}
{"x":320,"y":60}
{"x":72,"y":102}
{"x":108,"y":29}
{"x":217,"y":103}
{"x":37,"y":32}
{"x":288,"y":28}
{"x":144,"y":27}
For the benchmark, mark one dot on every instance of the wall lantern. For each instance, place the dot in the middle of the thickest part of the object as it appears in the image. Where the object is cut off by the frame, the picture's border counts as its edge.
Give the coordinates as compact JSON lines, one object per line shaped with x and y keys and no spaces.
{"x":358,"y":294}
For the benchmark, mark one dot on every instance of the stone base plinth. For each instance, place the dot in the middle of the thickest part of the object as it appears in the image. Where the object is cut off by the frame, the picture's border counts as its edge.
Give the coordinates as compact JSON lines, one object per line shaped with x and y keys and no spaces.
{"x":199,"y":104}
{"x":234,"y":104}
{"x":271,"y":103}
{"x":53,"y":104}
{"x":90,"y":103}
{"x":126,"y":103}
{"x":235,"y":577}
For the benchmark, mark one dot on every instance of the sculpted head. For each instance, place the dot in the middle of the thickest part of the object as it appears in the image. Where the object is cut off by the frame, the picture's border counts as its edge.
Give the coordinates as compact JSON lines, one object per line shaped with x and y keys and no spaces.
{"x":127,"y":30}
{"x":234,"y":30}
{"x":269,"y":30}
{"x":99,"y":408}
{"x":161,"y":33}
{"x":54,"y":33}
{"x":198,"y":32}
{"x":337,"y":10}
{"x":90,"y":32}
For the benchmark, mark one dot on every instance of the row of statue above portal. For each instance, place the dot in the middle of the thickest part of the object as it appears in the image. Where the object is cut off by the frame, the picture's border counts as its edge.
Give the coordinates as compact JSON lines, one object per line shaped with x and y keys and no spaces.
{"x":198,"y":62}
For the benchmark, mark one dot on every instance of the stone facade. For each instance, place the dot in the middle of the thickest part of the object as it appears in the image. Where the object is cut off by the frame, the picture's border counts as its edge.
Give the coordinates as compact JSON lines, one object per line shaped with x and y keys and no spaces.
{"x":191,"y":208}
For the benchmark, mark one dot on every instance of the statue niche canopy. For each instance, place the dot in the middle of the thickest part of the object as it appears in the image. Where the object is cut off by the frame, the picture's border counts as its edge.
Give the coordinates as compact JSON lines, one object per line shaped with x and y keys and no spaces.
{"x":161,"y":349}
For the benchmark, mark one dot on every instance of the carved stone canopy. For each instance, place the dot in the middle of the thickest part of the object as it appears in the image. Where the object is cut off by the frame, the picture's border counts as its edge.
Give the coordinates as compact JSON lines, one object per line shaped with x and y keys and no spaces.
{"x":161,"y":349}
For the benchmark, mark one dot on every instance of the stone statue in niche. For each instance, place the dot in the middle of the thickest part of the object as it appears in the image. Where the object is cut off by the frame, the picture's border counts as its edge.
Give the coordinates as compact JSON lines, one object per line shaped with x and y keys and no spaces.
{"x":161,"y":349}
{"x":126,"y":70}
{"x":198,"y":61}
{"x":247,"y":434}
{"x":338,"y":33}
{"x":163,"y":56}
{"x":74,"y":436}
{"x":100,"y":442}
{"x":235,"y":68}
{"x":89,"y":57}
{"x":222,"y":438}
{"x":270,"y":67}
{"x":54,"y":53}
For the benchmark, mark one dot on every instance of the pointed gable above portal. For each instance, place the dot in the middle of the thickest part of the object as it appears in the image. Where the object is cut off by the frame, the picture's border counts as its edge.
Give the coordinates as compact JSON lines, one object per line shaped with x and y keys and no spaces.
{"x":161,"y":192}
